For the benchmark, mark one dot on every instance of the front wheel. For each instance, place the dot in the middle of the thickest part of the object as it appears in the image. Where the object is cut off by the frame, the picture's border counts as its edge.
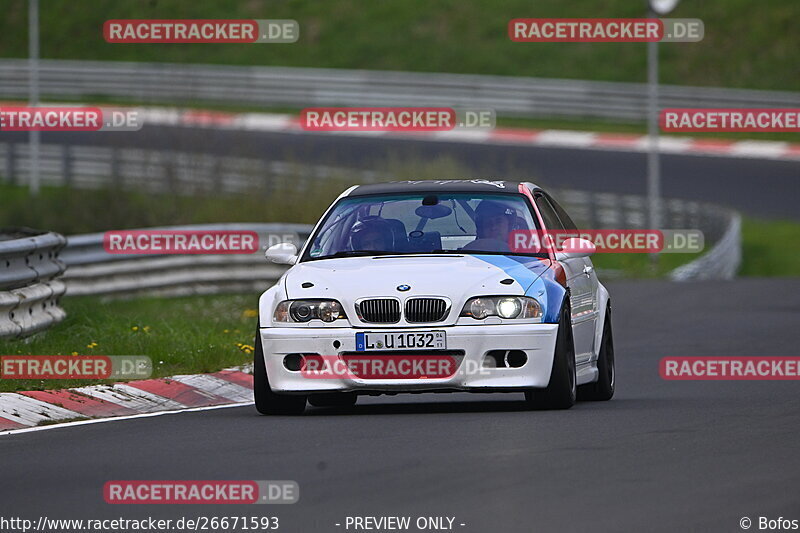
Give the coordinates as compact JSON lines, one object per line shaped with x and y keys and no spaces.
{"x":267,"y":401}
{"x":603,"y":388}
{"x":561,"y":392}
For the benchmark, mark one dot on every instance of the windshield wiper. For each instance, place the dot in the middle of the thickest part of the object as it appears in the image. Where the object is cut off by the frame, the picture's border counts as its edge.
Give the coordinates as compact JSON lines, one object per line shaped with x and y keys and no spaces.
{"x":356,"y":253}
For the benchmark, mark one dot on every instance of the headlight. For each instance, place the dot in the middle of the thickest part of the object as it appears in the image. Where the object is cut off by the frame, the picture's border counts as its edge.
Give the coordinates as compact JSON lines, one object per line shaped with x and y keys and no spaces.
{"x":305,"y":310}
{"x":503,"y":306}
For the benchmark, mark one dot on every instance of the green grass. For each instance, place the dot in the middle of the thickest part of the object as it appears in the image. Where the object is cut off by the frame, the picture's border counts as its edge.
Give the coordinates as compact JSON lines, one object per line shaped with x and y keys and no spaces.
{"x":184,"y":335}
{"x":71,"y":211}
{"x":747,"y":44}
{"x":770,"y":248}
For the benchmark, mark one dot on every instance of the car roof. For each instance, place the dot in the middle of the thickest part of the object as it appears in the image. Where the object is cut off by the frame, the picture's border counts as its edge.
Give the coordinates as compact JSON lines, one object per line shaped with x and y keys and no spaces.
{"x":414,"y":186}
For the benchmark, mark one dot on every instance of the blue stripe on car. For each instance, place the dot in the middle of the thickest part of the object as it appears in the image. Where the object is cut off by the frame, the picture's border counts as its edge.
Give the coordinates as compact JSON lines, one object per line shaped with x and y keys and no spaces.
{"x":535,"y":277}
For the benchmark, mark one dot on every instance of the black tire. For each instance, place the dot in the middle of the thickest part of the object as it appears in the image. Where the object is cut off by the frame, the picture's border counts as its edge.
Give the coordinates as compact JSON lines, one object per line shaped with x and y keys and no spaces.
{"x":602,"y":389}
{"x":333,"y":399}
{"x":267,"y":401}
{"x":561,"y":392}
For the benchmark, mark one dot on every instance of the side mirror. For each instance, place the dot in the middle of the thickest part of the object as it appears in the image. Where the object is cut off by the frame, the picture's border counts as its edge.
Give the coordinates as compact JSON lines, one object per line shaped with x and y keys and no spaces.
{"x":575,"y":247}
{"x":283,"y":253}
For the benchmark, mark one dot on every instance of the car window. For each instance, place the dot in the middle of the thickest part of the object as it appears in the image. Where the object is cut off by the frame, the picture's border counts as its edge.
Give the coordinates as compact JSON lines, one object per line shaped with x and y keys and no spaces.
{"x":566,"y":220}
{"x":549,"y":215}
{"x":421,"y":223}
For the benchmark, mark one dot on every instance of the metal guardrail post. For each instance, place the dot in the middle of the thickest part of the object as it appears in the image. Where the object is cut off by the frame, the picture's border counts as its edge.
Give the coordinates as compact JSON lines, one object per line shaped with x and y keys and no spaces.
{"x":29,"y":284}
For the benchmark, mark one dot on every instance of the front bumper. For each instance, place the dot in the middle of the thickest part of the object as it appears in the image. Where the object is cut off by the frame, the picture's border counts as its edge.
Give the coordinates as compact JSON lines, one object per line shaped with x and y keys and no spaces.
{"x":536,"y":340}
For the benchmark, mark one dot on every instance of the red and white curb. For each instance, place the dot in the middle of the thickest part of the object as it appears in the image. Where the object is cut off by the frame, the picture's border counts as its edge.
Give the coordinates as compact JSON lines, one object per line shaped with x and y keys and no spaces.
{"x":23,"y":410}
{"x":505,"y":136}
{"x":618,"y":142}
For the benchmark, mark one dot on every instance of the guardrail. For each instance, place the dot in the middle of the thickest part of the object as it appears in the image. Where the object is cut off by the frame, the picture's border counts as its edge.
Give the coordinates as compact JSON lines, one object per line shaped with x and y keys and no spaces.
{"x":92,"y":270}
{"x":304,"y":87}
{"x":721,"y":262}
{"x":29,"y":288}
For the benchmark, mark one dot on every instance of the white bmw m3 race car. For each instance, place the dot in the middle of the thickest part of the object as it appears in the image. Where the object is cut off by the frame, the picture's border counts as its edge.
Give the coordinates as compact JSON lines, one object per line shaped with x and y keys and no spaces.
{"x":417,"y":286}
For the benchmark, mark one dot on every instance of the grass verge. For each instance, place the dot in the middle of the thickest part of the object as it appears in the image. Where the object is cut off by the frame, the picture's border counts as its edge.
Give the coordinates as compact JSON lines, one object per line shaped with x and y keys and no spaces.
{"x":770,"y":248}
{"x":186,"y":335}
{"x":746,"y":44}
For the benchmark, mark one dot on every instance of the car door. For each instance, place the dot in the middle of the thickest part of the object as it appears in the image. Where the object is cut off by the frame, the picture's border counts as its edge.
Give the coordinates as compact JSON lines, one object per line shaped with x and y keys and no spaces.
{"x":578,"y":273}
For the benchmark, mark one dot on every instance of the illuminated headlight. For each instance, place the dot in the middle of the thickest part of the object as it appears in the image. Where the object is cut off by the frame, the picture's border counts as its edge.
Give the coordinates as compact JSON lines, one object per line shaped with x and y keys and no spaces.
{"x":305,"y":310}
{"x":507,"y":307}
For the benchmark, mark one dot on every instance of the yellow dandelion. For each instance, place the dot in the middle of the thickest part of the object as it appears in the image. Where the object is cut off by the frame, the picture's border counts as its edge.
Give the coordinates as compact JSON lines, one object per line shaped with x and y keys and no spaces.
{"x":226,"y":331}
{"x":250,"y":313}
{"x":74,"y":353}
{"x":135,"y":328}
{"x":146,"y":329}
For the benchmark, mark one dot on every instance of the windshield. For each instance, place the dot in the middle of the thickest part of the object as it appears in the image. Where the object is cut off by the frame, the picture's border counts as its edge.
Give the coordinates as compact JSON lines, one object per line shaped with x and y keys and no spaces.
{"x":421,"y":223}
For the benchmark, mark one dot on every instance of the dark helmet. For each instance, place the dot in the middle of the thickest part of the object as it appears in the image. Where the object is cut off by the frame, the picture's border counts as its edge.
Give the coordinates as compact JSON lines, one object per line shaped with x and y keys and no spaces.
{"x":371,"y":225}
{"x":492,"y":209}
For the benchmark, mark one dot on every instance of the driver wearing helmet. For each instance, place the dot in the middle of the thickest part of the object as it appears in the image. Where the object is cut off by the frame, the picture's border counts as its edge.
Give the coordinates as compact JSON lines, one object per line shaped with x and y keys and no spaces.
{"x":372,"y":234}
{"x":493,"y":223}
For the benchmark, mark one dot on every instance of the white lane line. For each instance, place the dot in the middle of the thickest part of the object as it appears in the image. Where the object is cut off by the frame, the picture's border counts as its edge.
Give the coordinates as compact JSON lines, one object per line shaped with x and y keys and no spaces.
{"x":217,"y":386}
{"x":31,"y":411}
{"x":759,"y":148}
{"x":472,"y":136}
{"x":130,"y":397}
{"x":119,"y":418}
{"x":263,"y":121}
{"x":566,"y":138}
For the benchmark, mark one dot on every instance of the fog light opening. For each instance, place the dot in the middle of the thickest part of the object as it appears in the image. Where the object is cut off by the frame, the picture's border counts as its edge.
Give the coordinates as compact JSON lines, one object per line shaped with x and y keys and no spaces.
{"x":515,"y":358}
{"x":505,"y":359}
{"x":293,"y":362}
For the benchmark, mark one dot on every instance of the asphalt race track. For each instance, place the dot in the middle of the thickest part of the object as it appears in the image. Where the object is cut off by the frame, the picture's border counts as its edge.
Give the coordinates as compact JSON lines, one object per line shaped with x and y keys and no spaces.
{"x":661,"y":456}
{"x":758,"y":187}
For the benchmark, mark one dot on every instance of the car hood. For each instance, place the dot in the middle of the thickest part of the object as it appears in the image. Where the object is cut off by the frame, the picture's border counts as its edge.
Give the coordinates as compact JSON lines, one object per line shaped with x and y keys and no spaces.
{"x":457,"y":277}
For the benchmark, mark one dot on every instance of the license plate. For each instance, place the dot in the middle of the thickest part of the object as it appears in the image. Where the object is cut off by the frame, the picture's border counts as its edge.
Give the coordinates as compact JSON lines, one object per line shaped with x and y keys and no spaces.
{"x":401,"y":340}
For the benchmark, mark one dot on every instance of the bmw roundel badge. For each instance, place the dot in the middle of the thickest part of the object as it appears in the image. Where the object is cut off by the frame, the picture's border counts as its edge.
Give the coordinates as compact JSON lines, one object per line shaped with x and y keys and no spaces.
{"x":403,"y":288}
